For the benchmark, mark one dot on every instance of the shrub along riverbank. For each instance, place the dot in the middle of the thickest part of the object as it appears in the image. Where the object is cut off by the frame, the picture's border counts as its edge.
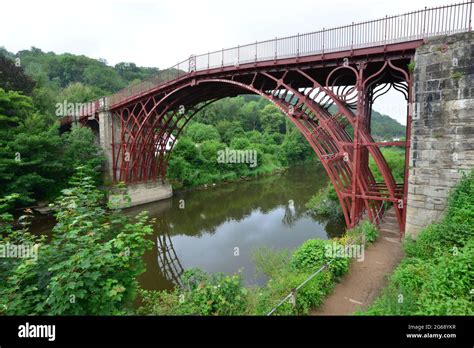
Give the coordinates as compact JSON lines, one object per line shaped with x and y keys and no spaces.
{"x":87,"y":266}
{"x":219,"y":294}
{"x":437,"y":275}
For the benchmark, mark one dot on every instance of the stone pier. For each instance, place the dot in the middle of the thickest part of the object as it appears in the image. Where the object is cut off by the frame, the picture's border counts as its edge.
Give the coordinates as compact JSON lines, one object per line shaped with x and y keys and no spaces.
{"x":140,"y":193}
{"x":442,"y":141}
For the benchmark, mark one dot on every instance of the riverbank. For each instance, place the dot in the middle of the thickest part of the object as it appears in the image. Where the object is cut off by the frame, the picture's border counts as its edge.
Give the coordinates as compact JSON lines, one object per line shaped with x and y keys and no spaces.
{"x":202,"y":293}
{"x":178,"y":186}
{"x":436,"y":276}
{"x":367,"y":277}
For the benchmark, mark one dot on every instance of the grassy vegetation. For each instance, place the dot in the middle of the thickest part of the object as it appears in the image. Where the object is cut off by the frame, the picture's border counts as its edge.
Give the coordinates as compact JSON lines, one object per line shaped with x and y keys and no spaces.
{"x":437,"y":276}
{"x":219,"y":294}
{"x":395,"y":158}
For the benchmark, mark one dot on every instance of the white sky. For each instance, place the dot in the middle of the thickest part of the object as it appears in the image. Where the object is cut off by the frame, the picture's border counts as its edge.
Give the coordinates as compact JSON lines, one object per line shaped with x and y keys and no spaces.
{"x":161,"y":33}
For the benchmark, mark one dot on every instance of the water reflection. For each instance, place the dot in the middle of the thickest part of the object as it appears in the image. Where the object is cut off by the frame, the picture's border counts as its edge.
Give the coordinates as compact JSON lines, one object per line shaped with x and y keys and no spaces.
{"x":168,"y":261}
{"x":220,"y":227}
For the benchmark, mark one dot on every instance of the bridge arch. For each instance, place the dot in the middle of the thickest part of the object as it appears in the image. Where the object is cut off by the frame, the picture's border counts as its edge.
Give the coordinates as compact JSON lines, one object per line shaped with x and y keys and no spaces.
{"x":333,"y":114}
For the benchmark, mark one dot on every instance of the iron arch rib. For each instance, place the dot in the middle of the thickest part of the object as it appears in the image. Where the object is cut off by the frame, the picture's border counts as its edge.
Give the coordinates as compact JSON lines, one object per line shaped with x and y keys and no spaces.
{"x":334,"y":119}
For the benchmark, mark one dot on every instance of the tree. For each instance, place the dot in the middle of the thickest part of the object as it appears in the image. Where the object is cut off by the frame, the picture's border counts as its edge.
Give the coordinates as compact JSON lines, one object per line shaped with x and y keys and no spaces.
{"x":13,"y":77}
{"x":249,"y":118}
{"x":90,"y":265}
{"x":295,"y":149}
{"x":186,"y":149}
{"x":29,"y":149}
{"x":76,"y":92}
{"x":200,"y":132}
{"x":229,"y":130}
{"x":35,"y":161}
{"x":272,"y":120}
{"x":80,"y":149}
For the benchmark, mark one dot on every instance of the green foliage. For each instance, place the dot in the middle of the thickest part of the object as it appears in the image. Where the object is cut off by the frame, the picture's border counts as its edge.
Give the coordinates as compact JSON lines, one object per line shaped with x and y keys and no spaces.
{"x":229,"y":130}
{"x":401,"y":295}
{"x":456,"y":75}
{"x":308,"y":297}
{"x":80,"y":149}
{"x":436,"y":277}
{"x":286,"y":272}
{"x":383,"y":127}
{"x":13,"y":77}
{"x":35,"y":161}
{"x":90,"y":265}
{"x":448,"y":290}
{"x":200,"y":132}
{"x":30,"y":148}
{"x":194,"y":160}
{"x":270,"y":261}
{"x":203,"y":294}
{"x":315,"y":253}
{"x":240,"y":123}
{"x":295,"y":149}
{"x":367,"y":230}
{"x":77,"y":92}
{"x":325,"y":204}
{"x":65,"y":76}
{"x":395,"y":158}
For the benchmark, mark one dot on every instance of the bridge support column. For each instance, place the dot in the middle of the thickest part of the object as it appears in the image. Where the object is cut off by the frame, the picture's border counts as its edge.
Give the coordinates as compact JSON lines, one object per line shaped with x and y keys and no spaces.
{"x":442,"y":140}
{"x":110,"y":143}
{"x":107,"y":131}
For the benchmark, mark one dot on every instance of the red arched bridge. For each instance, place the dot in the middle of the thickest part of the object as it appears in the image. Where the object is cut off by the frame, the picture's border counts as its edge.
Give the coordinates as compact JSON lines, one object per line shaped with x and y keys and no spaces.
{"x":325,"y":82}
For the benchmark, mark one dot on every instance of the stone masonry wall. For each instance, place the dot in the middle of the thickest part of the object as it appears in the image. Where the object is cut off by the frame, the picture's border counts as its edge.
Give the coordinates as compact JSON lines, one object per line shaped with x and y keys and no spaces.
{"x":442,"y":141}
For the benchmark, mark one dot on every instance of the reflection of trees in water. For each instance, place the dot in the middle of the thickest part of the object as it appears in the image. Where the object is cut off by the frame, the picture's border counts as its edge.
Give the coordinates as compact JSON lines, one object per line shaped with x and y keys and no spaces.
{"x":237,"y":201}
{"x":335,"y":226}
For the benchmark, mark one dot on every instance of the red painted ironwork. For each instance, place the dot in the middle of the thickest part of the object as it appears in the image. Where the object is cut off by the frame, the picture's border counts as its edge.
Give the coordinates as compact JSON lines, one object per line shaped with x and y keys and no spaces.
{"x":411,"y":26}
{"x":325,"y":82}
{"x":329,"y":105}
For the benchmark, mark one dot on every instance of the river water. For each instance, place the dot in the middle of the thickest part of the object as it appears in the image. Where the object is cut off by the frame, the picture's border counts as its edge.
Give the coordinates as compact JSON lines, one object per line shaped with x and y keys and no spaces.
{"x":217,"y":229}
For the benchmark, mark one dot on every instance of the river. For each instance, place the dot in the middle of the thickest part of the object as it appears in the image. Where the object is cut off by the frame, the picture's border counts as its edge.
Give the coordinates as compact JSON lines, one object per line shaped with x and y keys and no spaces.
{"x":218,"y":228}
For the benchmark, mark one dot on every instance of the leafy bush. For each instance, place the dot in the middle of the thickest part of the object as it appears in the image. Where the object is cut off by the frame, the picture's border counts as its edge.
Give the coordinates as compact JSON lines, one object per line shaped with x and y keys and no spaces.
{"x":325,"y":204}
{"x":401,"y":295}
{"x":366,"y":229}
{"x":448,"y":290}
{"x":200,"y":132}
{"x":90,"y":265}
{"x":203,"y":294}
{"x":436,"y":277}
{"x":309,"y":296}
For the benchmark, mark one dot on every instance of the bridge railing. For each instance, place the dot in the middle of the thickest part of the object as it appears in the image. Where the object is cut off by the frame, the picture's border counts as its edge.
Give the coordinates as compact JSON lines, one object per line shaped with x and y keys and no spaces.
{"x":441,"y":20}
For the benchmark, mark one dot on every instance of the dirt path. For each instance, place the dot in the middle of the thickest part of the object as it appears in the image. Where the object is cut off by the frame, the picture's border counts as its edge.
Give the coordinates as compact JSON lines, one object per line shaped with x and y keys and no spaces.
{"x":367,"y":278}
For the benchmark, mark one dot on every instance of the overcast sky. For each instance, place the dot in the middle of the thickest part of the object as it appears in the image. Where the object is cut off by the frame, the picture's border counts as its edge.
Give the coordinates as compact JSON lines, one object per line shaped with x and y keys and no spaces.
{"x":161,"y":33}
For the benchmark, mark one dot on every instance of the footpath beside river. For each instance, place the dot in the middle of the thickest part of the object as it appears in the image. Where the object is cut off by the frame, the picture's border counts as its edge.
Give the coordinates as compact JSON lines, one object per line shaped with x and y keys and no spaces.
{"x":360,"y":286}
